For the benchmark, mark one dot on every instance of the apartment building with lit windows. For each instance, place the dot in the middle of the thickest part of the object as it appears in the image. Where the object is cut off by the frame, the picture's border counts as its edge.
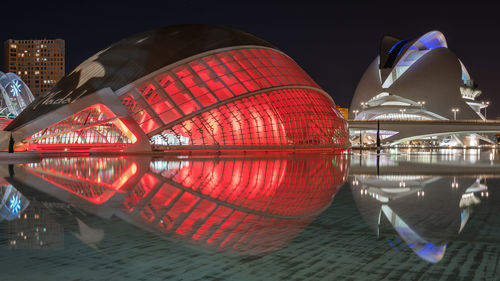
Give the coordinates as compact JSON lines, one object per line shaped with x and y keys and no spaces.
{"x":39,"y":63}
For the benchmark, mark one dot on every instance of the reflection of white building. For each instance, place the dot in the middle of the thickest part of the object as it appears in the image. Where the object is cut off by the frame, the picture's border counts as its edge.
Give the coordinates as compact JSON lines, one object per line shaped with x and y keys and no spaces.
{"x":12,"y":202}
{"x":419,"y":79}
{"x":423,"y":210}
{"x":15,"y":95}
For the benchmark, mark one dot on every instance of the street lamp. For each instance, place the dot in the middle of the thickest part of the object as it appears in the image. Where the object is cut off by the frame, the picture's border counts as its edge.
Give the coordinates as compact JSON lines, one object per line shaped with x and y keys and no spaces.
{"x":421,"y":103}
{"x":355,"y":113}
{"x":364,"y":104}
{"x":455,"y":110}
{"x":485,"y":103}
{"x":402,"y":110}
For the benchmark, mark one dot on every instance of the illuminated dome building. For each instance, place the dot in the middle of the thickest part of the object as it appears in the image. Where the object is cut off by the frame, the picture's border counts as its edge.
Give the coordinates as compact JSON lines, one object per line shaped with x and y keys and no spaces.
{"x":419,"y":79}
{"x":183,"y":87}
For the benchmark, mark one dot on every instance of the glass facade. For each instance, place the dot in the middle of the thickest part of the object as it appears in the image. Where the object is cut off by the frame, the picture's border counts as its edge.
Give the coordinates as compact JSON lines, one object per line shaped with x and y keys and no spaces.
{"x":91,"y":126}
{"x":241,"y":98}
{"x":234,"y":98}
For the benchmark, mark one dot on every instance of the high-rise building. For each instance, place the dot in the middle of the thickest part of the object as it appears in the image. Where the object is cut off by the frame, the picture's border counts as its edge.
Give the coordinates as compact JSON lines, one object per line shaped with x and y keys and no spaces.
{"x":344,"y":111}
{"x":39,"y":63}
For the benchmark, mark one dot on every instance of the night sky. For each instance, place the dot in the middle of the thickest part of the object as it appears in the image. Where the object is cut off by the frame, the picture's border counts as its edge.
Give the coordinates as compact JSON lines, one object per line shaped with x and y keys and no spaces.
{"x":333,"y":42}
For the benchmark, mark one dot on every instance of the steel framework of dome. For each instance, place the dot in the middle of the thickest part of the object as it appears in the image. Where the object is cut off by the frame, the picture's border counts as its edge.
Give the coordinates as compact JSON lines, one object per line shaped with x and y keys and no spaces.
{"x":183,"y":87}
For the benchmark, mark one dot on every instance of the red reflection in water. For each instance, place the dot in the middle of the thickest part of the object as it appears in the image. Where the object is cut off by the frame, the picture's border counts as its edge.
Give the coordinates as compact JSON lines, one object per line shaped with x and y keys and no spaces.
{"x":93,"y":179}
{"x":246,"y":205}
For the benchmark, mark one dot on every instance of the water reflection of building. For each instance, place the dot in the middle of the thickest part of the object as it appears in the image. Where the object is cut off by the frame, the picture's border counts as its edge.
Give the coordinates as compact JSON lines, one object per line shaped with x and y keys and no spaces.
{"x":245,"y":205}
{"x":27,"y":224}
{"x":12,"y":203}
{"x":425,"y":211}
{"x":35,"y":229}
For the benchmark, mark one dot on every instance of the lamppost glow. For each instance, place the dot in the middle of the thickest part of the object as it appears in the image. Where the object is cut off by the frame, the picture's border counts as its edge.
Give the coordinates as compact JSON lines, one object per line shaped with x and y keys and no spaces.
{"x":355,"y":113}
{"x":421,"y":103}
{"x":485,"y":103}
{"x":402,"y":110}
{"x":455,"y":110}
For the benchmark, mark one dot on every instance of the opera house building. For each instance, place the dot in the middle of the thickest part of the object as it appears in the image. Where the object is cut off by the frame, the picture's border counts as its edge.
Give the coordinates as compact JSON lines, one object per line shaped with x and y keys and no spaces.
{"x":182,"y":87}
{"x":418,"y":79}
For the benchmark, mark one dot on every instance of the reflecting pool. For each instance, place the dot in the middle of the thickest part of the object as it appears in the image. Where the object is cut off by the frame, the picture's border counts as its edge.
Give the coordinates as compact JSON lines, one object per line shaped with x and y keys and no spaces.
{"x":400,"y":215}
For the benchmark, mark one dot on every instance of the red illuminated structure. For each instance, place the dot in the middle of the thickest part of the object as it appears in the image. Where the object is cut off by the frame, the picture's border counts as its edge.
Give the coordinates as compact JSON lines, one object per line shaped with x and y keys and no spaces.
{"x":163,"y":90}
{"x":4,"y":122}
{"x":245,"y":205}
{"x":93,"y":179}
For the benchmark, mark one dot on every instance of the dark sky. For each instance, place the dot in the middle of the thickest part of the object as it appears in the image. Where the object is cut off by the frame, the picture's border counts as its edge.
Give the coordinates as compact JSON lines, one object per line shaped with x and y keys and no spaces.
{"x":333,"y":42}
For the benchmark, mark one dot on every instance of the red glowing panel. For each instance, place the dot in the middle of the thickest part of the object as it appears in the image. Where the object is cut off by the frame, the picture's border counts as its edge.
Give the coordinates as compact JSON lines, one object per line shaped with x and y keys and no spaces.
{"x":227,"y":226}
{"x":284,"y":118}
{"x":4,"y":122}
{"x":202,"y":211}
{"x":139,"y":192}
{"x":120,"y":182}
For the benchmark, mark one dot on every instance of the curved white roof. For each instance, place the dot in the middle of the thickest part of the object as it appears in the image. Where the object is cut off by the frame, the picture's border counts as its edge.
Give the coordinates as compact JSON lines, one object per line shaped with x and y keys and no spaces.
{"x":424,"y":70}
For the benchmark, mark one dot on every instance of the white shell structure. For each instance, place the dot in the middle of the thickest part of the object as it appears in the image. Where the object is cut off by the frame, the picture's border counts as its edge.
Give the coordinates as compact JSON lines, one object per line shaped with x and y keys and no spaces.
{"x":416,"y":80}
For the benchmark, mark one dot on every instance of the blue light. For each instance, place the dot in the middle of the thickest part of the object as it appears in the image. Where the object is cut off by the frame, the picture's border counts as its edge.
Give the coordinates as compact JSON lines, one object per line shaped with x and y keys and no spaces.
{"x":432,"y":43}
{"x":15,"y":88}
{"x":394,"y":46}
{"x":433,"y":40}
{"x":390,"y":244}
{"x":15,"y":204}
{"x":431,"y":253}
{"x":400,"y":50}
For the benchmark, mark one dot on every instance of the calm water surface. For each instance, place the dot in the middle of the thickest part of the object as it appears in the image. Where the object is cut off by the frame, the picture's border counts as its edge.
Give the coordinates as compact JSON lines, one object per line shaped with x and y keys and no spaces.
{"x":402,"y":215}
